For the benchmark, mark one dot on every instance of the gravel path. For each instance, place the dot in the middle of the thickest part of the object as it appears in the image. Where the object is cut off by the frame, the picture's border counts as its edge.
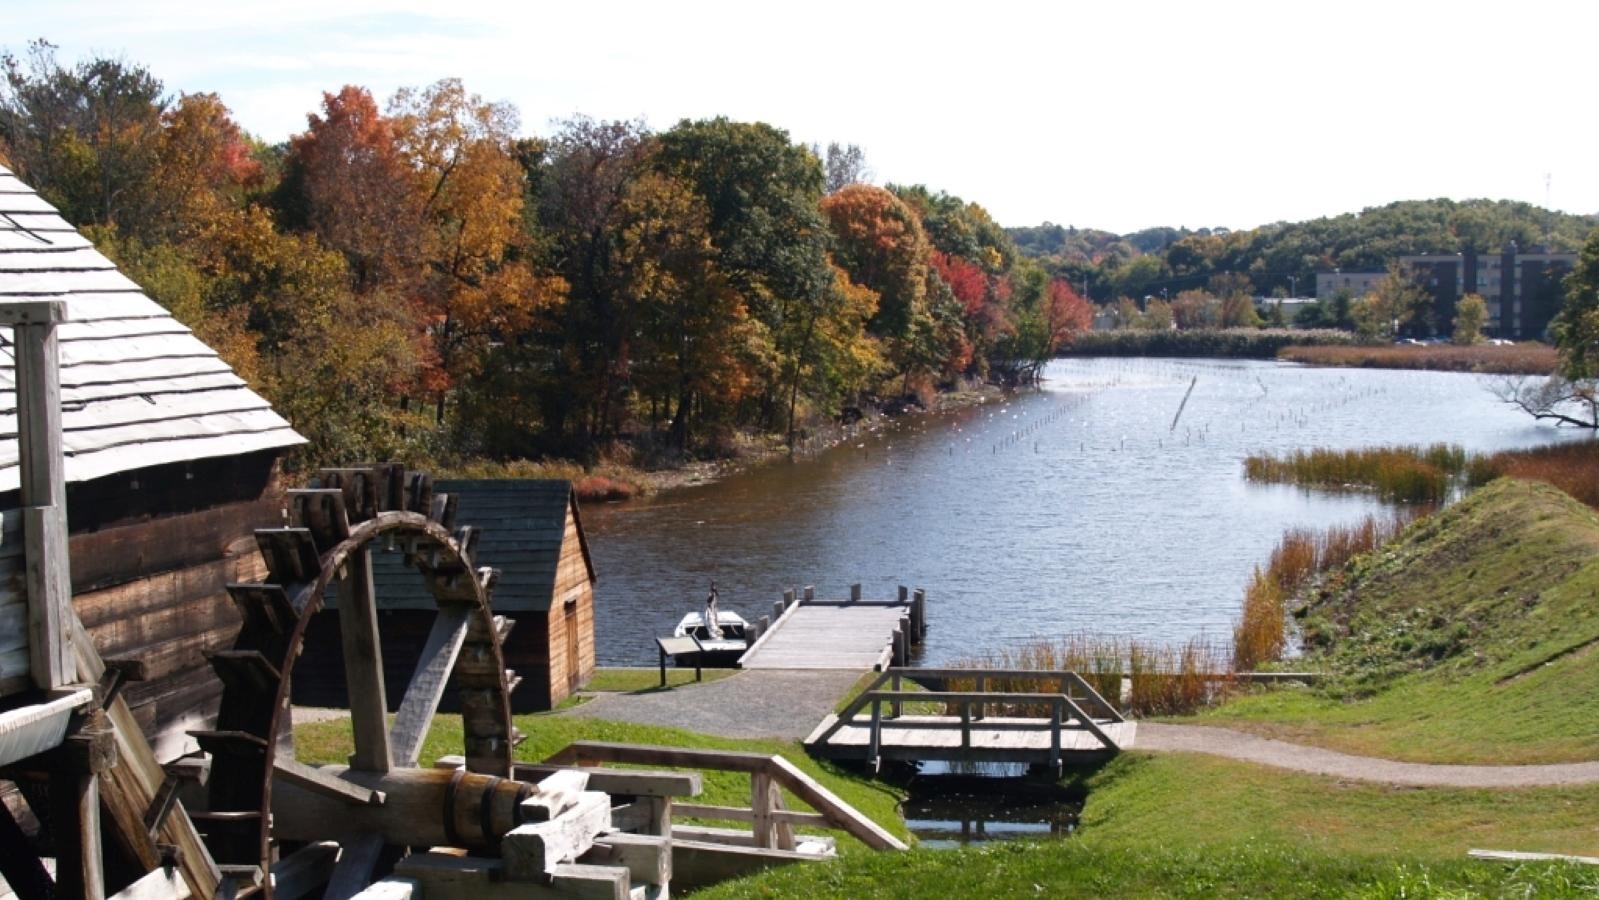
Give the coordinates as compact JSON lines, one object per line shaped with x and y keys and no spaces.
{"x":1314,"y":760}
{"x":783,"y":703}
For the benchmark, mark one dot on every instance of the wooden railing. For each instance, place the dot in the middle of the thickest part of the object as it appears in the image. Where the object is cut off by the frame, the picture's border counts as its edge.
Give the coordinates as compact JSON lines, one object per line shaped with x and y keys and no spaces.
{"x":1073,"y":705}
{"x":773,"y":824}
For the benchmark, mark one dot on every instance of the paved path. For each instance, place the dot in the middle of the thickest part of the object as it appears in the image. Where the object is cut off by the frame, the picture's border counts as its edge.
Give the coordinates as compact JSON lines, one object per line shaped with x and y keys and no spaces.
{"x":1314,"y":760}
{"x":784,"y":703}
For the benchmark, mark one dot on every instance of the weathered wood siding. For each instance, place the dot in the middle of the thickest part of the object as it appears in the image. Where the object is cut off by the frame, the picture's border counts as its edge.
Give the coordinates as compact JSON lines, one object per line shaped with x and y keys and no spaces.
{"x":532,"y":532}
{"x":152,"y":553}
{"x":13,"y":608}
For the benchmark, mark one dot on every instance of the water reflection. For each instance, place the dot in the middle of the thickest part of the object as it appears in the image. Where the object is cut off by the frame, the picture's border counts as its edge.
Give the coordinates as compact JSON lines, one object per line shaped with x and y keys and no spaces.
{"x":946,"y":807}
{"x":1084,"y":506}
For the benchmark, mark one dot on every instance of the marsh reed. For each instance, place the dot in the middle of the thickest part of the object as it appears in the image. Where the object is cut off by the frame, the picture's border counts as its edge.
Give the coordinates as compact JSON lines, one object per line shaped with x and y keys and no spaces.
{"x":1405,"y":474}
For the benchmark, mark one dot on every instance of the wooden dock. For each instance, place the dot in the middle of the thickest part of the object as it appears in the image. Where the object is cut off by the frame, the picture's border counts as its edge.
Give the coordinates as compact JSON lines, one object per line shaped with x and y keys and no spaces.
{"x":1040,"y":718}
{"x":808,"y":633}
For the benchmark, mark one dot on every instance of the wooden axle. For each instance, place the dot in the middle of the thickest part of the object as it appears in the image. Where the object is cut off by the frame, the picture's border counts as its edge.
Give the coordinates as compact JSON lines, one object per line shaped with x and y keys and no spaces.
{"x":421,"y":807}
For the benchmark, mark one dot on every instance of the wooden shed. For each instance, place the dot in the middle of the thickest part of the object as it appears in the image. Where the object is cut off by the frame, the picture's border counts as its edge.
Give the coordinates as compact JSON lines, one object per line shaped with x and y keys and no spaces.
{"x":170,"y":463}
{"x":530,"y":530}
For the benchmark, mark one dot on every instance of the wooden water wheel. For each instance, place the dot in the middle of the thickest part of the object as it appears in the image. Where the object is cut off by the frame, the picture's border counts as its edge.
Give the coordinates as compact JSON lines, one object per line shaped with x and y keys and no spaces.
{"x":263,"y":802}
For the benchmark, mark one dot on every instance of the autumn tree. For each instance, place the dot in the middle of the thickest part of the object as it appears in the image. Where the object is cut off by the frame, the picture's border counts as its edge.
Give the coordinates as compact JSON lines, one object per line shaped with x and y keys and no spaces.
{"x":696,"y":340}
{"x":475,"y":290}
{"x":761,"y":193}
{"x":347,"y":181}
{"x":589,"y":170}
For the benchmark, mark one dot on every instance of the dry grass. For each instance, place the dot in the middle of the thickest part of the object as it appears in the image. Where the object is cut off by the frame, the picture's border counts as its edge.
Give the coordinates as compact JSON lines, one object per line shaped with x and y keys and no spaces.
{"x":1517,"y":359}
{"x":1406,"y":474}
{"x":604,"y":483}
{"x":1260,"y":635}
{"x":1160,"y":679}
{"x":1572,"y":467}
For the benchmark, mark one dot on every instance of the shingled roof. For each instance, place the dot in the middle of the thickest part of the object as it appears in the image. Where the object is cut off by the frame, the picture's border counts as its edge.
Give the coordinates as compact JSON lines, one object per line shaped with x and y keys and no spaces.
{"x":138,"y":388}
{"x":522,"y":524}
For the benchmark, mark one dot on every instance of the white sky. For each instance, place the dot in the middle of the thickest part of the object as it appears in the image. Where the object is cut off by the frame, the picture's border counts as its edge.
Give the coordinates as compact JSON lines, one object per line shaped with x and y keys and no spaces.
{"x":1116,"y":115}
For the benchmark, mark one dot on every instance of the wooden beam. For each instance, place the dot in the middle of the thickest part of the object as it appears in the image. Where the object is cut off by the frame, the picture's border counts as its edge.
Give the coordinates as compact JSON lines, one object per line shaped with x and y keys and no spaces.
{"x":20,"y":865}
{"x":629,"y":782}
{"x":392,"y":889}
{"x":359,"y":855}
{"x":38,"y":727}
{"x":313,"y":778}
{"x":557,"y":793}
{"x":427,"y":685}
{"x":826,"y":802}
{"x":304,"y":872}
{"x":160,"y":884}
{"x":701,"y":863}
{"x":75,"y":808}
{"x":440,"y":875}
{"x":130,"y":787}
{"x":363,"y":665}
{"x":646,"y":857}
{"x":531,"y":852}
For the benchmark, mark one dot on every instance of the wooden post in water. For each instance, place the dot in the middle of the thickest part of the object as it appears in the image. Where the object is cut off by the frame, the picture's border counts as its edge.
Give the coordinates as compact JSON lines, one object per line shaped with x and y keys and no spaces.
{"x":810,"y":592}
{"x":854,"y":592}
{"x":788,"y":598}
{"x":920,"y":605}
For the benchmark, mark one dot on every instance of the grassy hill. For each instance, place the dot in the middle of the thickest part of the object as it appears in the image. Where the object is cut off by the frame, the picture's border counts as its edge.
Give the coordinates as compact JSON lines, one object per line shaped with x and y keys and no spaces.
{"x":1472,"y":638}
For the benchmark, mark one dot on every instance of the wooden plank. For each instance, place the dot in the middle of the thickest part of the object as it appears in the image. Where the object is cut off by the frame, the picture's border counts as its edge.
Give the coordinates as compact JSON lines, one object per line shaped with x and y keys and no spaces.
{"x":75,"y":825}
{"x":646,"y":857}
{"x":20,"y":866}
{"x":304,"y":872}
{"x":163,"y":883}
{"x":358,"y":859}
{"x":427,"y":685}
{"x":532,"y":851}
{"x":826,"y":802}
{"x":363,"y":665}
{"x":627,"y":782}
{"x":698,"y":864}
{"x":131,"y":785}
{"x":392,"y":889}
{"x":313,"y":779}
{"x":556,"y":793}
{"x":38,"y":727}
{"x":443,"y":876}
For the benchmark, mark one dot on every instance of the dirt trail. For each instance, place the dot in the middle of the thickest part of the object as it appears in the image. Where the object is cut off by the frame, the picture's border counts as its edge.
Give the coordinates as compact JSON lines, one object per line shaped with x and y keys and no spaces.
{"x":1160,"y":737}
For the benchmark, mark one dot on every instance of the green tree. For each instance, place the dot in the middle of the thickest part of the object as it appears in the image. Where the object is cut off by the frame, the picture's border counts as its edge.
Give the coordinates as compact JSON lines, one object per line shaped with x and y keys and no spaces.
{"x":1576,"y":328}
{"x":1396,"y":301}
{"x":761,"y":192}
{"x":1470,"y":315}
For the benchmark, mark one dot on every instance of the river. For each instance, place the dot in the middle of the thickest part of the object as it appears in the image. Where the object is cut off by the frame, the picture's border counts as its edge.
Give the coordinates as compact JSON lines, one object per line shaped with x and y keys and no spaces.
{"x":1078,"y":507}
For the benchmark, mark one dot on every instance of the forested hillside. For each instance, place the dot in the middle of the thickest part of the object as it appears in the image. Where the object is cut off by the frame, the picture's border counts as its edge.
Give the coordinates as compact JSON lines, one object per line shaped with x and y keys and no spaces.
{"x":421,"y":279}
{"x":1285,"y":256}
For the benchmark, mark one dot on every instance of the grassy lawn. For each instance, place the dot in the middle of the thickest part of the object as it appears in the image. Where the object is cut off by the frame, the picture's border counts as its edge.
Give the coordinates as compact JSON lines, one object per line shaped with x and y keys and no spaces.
{"x":1473,"y":638}
{"x":629,"y":680}
{"x":1180,"y":825}
{"x":331,"y":742}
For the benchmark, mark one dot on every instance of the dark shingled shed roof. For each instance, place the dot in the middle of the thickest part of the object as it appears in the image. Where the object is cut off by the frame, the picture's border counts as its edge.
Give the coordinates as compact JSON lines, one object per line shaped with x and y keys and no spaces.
{"x":522,"y":524}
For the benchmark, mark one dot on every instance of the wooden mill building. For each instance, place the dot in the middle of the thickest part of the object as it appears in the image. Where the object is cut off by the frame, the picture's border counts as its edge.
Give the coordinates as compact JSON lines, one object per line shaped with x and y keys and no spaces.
{"x":530,"y":530}
{"x":170,"y":465}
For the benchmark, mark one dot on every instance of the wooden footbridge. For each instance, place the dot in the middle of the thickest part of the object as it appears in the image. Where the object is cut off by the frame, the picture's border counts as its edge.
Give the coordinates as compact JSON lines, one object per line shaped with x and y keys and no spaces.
{"x":809,"y":633}
{"x":1040,"y":718}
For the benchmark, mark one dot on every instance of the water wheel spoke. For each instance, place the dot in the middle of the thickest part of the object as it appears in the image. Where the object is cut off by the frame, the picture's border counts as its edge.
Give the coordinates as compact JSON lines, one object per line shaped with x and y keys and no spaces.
{"x":427,"y":685}
{"x":363,"y":665}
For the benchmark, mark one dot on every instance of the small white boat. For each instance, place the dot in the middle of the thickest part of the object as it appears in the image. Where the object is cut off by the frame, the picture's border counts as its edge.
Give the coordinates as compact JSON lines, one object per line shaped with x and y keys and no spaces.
{"x":718,"y":651}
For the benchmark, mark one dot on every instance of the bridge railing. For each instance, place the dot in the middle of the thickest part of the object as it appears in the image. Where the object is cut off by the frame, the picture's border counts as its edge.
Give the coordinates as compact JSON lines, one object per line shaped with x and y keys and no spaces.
{"x":1072,"y":705}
